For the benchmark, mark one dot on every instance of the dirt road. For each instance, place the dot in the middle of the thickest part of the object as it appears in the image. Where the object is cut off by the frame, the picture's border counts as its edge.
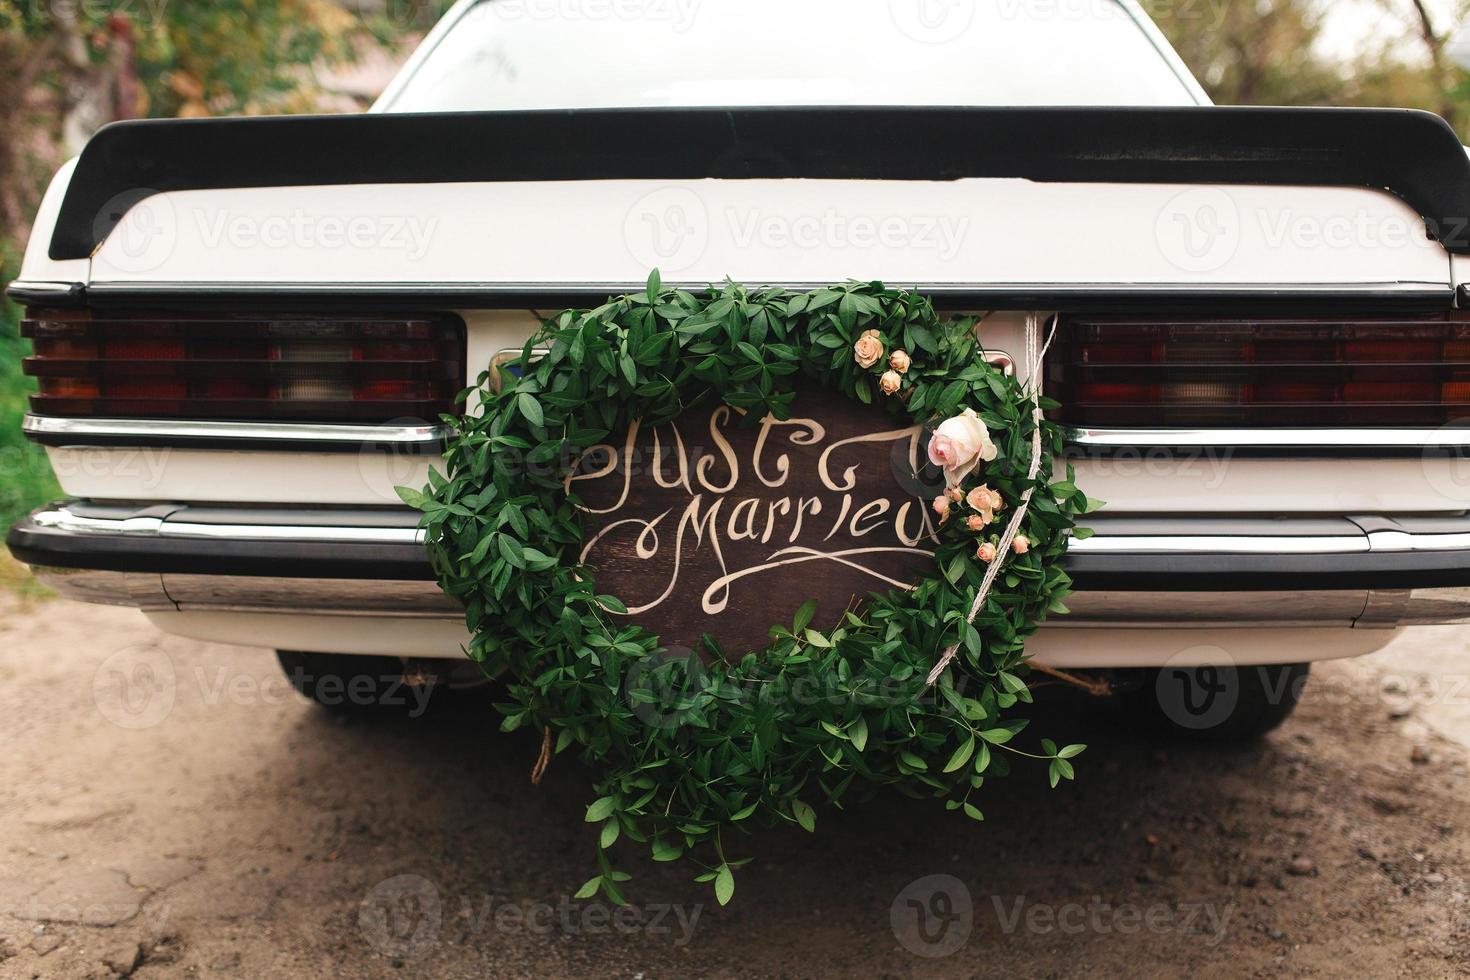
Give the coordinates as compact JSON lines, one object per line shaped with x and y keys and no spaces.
{"x":223,"y":827}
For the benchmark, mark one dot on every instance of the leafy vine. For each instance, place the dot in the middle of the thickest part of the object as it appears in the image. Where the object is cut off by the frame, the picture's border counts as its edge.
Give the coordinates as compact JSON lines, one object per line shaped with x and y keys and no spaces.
{"x":690,"y":747}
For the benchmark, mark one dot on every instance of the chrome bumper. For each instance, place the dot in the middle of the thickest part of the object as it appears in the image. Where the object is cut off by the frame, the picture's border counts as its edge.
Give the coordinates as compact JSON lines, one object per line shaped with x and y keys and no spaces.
{"x":1365,"y":572}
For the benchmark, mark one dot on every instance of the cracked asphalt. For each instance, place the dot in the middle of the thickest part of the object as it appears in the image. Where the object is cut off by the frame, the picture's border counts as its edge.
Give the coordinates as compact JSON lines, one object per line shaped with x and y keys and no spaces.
{"x":170,"y":808}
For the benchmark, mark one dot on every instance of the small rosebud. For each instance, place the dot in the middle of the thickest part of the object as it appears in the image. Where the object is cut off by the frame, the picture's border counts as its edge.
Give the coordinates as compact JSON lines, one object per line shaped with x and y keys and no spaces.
{"x":941,"y":507}
{"x":1020,"y":545}
{"x":900,"y":362}
{"x":977,"y":522}
{"x":955,"y":494}
{"x":890,"y":382}
{"x":986,"y":553}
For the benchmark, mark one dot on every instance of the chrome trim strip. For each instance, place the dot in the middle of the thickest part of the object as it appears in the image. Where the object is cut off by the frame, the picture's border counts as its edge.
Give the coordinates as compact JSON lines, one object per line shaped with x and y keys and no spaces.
{"x":262,"y":532}
{"x":1406,"y":541}
{"x":1220,"y":544}
{"x":482,"y":290}
{"x":31,"y":289}
{"x":415,"y":600}
{"x":63,"y":519}
{"x":1375,"y":609}
{"x":434,"y":435}
{"x":386,"y":599}
{"x":1435,"y":607}
{"x":1223,"y":545}
{"x":134,"y":590}
{"x":1441,"y":438}
{"x":398,"y":599}
{"x":1168,"y":610}
{"x":245,"y":432}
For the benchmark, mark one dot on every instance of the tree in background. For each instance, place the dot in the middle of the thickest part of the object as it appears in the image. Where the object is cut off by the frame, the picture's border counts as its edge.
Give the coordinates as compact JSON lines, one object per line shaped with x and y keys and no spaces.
{"x":1251,"y":52}
{"x":1269,"y":52}
{"x":68,"y":67}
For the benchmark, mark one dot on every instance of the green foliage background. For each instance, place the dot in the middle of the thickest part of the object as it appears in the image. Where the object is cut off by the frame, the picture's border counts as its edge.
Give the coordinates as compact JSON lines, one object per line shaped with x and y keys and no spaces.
{"x":26,"y":481}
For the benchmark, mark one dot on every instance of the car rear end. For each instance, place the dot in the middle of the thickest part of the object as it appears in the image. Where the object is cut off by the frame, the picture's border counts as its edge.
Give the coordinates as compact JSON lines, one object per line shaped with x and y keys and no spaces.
{"x":249,"y":333}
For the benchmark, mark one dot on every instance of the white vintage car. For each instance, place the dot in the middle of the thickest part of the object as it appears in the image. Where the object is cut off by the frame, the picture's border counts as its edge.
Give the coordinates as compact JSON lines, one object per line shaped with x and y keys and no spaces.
{"x":247,"y":330}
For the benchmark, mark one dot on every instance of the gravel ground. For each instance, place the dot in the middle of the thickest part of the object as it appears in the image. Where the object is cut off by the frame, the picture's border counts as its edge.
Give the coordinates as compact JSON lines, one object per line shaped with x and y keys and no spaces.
{"x":225,"y":827}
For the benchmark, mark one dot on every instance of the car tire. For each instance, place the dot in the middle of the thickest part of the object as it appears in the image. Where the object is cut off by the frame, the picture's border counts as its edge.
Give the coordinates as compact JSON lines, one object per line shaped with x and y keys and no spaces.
{"x":1215,"y":704}
{"x":351,"y":684}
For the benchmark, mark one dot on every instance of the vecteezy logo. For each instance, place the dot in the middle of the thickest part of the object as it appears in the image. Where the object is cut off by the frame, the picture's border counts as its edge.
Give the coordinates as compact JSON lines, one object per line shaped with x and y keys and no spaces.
{"x":667,"y":229}
{"x":139,"y":231}
{"x":135,"y":687}
{"x":390,"y":20}
{"x":662,"y":689}
{"x":401,"y":916}
{"x":386,"y":464}
{"x":1199,"y":230}
{"x":1447,"y":465}
{"x":1198,"y":697}
{"x":932,"y":21}
{"x":933,"y":917}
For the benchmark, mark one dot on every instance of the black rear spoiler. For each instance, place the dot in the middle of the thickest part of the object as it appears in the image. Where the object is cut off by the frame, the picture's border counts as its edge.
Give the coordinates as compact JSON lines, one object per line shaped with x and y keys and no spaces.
{"x":1415,"y":155}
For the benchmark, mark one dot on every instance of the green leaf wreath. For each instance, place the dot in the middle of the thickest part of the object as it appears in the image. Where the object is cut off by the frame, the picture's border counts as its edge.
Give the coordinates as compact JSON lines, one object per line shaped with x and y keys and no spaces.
{"x":690,"y":747}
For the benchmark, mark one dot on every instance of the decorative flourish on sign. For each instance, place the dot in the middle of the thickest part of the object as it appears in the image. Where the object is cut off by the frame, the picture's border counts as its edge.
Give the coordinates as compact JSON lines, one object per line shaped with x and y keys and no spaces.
{"x":688,"y":511}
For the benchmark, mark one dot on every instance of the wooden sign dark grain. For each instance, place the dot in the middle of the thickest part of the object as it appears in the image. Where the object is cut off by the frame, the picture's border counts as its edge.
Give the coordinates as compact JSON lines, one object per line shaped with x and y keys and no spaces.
{"x":712,"y":525}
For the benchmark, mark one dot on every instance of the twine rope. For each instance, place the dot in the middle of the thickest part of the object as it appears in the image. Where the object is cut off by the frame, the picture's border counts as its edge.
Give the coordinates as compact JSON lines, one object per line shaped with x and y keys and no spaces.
{"x":1035,"y":353}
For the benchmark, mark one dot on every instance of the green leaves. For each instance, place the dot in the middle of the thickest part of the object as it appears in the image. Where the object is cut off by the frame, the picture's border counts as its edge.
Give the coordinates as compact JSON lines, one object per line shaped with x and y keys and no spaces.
{"x":1059,"y":768}
{"x":690,"y":750}
{"x":805,"y":816}
{"x":530,"y":408}
{"x":724,"y":884}
{"x":961,"y":755}
{"x":413,"y":498}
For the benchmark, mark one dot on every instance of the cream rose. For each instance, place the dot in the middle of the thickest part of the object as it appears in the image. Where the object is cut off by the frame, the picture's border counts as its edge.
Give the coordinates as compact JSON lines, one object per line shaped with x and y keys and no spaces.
{"x":977,"y":522}
{"x":868,"y":350}
{"x":986,"y":552}
{"x":960,"y":445}
{"x":1020,"y":545}
{"x":985,"y":501}
{"x":890,"y":382}
{"x":941,"y":507}
{"x":900,"y":362}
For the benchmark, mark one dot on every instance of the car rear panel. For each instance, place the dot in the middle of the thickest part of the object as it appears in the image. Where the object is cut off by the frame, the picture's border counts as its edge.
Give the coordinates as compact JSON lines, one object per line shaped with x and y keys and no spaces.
{"x":1261,"y":377}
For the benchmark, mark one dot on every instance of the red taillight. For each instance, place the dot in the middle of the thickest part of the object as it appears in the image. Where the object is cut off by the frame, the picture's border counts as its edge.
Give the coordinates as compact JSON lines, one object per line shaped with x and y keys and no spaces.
{"x":1201,"y":373}
{"x":284,"y":368}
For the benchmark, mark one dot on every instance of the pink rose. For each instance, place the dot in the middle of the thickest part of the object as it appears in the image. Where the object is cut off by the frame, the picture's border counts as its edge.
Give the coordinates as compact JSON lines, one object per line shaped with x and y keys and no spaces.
{"x":941,"y":507}
{"x":900,"y":362}
{"x":986,"y":553}
{"x":960,"y":445}
{"x":1020,"y":545}
{"x":867,"y":351}
{"x":977,"y":522}
{"x":955,"y":494}
{"x":890,"y":382}
{"x":982,"y":498}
